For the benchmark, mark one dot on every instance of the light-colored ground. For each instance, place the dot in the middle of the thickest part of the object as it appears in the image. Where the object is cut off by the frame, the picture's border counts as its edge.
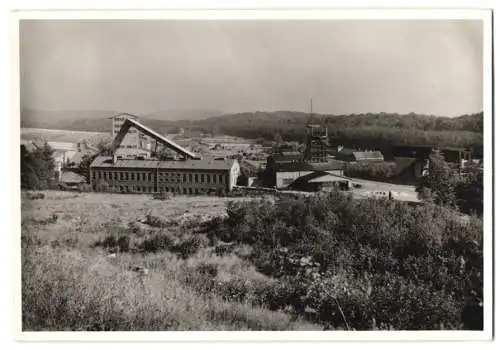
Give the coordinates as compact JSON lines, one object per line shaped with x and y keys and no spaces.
{"x":60,"y":135}
{"x":382,"y":189}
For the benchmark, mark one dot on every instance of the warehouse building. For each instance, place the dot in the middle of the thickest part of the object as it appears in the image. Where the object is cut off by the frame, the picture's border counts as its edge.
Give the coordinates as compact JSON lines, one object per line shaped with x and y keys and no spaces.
{"x":283,"y":174}
{"x":321,"y":181}
{"x":133,"y":173}
{"x":352,"y":155}
{"x":152,"y":176}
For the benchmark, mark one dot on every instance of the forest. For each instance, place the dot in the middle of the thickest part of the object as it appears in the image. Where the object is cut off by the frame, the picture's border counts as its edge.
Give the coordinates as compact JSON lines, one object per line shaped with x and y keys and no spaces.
{"x":372,"y":131}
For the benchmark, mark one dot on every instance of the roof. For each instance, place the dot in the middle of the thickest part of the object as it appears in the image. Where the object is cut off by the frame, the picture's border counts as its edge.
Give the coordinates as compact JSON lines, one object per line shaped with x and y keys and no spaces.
{"x":198,"y":164}
{"x":328,"y":178}
{"x":71,"y":177}
{"x":280,"y":158}
{"x":151,"y":133}
{"x":319,"y":176}
{"x":368,"y":155}
{"x":130,"y":151}
{"x":291,"y":153}
{"x":330,"y":165}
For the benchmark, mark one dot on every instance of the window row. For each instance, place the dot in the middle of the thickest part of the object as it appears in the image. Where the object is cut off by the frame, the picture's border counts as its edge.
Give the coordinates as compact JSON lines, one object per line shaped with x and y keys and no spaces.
{"x":113,"y":175}
{"x":164,"y":177}
{"x":193,"y":178}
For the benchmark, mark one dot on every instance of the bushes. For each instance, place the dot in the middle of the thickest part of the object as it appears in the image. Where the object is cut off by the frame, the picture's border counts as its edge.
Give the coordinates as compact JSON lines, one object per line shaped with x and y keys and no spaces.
{"x":111,"y":242}
{"x":151,"y":243}
{"x":423,"y":264}
{"x":157,"y":242}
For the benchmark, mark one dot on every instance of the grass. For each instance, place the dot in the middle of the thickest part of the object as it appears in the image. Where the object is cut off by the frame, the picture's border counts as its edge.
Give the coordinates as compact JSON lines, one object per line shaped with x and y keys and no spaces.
{"x":71,"y":283}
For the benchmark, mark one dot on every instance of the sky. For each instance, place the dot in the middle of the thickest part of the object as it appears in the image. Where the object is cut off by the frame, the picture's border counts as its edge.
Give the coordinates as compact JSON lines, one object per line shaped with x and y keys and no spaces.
{"x":345,"y":66}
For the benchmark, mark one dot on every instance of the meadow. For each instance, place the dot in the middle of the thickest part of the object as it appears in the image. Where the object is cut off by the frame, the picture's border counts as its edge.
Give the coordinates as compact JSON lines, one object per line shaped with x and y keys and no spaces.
{"x":94,"y":261}
{"x":72,"y":280}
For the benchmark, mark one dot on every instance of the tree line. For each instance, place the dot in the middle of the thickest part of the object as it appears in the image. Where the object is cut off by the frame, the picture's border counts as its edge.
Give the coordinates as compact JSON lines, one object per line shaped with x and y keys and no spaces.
{"x":449,"y":187}
{"x":378,"y":131}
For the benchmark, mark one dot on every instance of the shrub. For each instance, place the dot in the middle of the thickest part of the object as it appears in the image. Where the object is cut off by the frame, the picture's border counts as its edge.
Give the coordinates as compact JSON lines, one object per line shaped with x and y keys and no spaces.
{"x":157,"y":242}
{"x":188,"y":247}
{"x":210,"y":270}
{"x":423,"y":265}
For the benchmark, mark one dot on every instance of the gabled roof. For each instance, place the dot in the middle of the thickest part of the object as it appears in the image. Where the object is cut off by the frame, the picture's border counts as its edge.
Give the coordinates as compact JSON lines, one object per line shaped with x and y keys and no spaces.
{"x":319,"y":176}
{"x":370,"y":155}
{"x":284,"y":158}
{"x":129,"y":122}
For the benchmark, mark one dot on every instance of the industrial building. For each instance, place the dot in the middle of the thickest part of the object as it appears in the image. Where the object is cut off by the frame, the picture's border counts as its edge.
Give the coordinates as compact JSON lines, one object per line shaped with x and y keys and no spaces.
{"x":352,"y":155}
{"x":285,"y":167}
{"x":134,"y":142}
{"x":132,"y":172}
{"x":191,"y":176}
{"x":282,"y":171}
{"x":321,"y":181}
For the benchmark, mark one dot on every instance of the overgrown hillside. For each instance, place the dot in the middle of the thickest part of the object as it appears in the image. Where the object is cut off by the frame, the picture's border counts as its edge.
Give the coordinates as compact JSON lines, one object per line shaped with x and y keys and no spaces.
{"x":380,"y":131}
{"x":371,"y":130}
{"x":126,"y":262}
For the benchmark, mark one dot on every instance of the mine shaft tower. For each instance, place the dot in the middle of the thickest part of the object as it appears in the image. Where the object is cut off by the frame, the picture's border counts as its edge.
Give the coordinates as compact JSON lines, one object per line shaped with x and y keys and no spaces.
{"x":316,"y":142}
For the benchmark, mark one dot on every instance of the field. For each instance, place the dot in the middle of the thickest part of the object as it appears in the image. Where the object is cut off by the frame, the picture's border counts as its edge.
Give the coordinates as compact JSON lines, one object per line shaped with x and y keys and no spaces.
{"x":94,"y":261}
{"x":60,"y":135}
{"x":72,"y":280}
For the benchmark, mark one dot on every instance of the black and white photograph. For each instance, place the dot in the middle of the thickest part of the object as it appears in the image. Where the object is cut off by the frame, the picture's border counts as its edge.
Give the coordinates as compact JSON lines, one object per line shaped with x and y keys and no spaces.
{"x":255,"y":173}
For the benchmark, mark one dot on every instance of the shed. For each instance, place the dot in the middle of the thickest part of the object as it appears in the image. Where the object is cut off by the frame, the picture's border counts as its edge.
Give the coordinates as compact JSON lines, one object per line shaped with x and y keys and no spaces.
{"x":321,"y":181}
{"x":352,"y":155}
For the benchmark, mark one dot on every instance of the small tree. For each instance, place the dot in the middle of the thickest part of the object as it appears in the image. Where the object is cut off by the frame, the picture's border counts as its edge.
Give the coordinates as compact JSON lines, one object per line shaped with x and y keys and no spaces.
{"x":470,"y":191}
{"x":84,"y":166}
{"x":37,"y":167}
{"x":440,"y":184}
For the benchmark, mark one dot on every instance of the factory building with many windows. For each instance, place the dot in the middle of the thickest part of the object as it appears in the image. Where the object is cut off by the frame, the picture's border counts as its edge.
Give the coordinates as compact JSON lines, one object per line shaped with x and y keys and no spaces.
{"x":153,"y":176}
{"x":127,"y":172}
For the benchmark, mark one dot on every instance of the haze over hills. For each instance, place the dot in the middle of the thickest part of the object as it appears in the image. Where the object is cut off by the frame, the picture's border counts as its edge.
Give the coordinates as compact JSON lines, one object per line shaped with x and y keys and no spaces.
{"x":97,"y":120}
{"x":370,"y":130}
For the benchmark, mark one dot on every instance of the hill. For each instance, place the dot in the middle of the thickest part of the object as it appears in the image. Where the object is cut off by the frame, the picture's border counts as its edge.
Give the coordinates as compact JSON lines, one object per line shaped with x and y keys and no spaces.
{"x":97,"y":120}
{"x":118,"y":262}
{"x":370,"y":130}
{"x":380,"y":131}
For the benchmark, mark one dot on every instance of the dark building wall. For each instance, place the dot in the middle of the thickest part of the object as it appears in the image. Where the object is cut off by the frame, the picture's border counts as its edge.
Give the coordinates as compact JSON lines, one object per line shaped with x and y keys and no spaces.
{"x":159,"y":180}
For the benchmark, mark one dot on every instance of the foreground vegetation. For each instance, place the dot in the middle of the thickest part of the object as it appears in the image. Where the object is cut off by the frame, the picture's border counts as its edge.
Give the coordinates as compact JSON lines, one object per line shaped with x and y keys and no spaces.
{"x":126,"y":262}
{"x":76,"y":277}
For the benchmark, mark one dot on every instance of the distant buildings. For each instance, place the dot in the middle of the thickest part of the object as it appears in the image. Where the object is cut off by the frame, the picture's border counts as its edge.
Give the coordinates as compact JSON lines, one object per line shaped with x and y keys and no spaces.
{"x":321,"y":181}
{"x":127,"y":171}
{"x":352,"y":155}
{"x":282,"y":171}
